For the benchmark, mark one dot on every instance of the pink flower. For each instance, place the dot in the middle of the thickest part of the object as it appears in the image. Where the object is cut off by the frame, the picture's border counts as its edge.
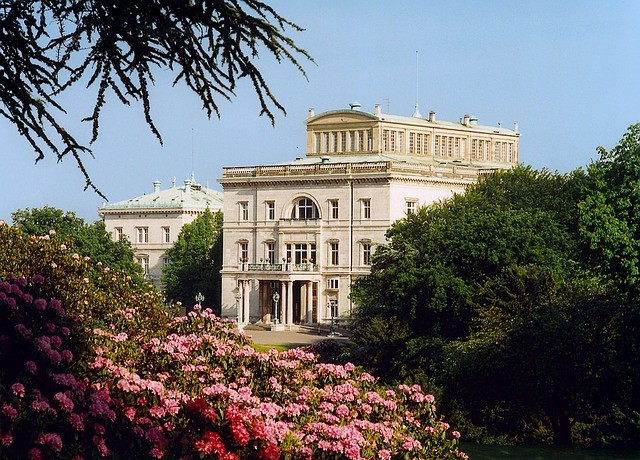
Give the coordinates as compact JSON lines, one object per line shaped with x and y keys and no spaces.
{"x":270,"y":452}
{"x":66,"y":404}
{"x":18,"y":389}
{"x":76,"y":422}
{"x":6,"y":440}
{"x":52,"y":440}
{"x":31,"y":367}
{"x":456,"y":434}
{"x":9,"y":411}
{"x":130,"y":412}
{"x":35,"y":454}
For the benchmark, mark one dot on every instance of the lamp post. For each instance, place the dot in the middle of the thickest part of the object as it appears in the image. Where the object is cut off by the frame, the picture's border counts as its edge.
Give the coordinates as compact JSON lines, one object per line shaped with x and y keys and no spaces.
{"x":199,"y":299}
{"x":237,"y":296}
{"x":276,"y":298}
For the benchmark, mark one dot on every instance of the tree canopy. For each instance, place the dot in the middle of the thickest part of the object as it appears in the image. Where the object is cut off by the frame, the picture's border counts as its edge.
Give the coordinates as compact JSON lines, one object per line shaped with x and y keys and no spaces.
{"x":48,"y":46}
{"x":88,"y":240}
{"x":514,"y":301}
{"x":195,"y":262}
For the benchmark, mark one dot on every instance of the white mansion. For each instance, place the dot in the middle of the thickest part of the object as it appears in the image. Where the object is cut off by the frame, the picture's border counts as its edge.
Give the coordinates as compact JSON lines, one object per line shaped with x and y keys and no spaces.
{"x":297,"y":234}
{"x":152,"y":222}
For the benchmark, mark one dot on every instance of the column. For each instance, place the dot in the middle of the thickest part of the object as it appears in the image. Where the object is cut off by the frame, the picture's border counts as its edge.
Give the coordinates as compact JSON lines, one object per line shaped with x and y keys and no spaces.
{"x":309,"y":315}
{"x":289,"y":303}
{"x":283,"y":302}
{"x":245,"y":300}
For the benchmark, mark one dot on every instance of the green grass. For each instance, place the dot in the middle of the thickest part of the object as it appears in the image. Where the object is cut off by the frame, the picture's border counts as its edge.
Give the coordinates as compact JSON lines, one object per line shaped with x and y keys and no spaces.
{"x":280,"y":347}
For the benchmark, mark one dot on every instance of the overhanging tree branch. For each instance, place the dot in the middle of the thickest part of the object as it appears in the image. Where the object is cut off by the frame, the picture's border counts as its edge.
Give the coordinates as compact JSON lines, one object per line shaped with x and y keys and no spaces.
{"x":49,"y":45}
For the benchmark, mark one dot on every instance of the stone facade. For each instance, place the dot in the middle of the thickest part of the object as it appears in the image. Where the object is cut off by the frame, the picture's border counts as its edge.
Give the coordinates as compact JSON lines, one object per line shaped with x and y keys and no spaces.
{"x":152,"y":222}
{"x":297,"y":234}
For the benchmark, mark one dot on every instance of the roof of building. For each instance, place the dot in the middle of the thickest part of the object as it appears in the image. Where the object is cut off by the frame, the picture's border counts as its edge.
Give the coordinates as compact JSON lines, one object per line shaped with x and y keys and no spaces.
{"x":423,"y":121}
{"x":191,"y":196}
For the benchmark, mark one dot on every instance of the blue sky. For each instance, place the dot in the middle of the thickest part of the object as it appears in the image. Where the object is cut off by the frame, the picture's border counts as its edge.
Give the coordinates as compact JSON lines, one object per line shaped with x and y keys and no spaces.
{"x":568,"y":72}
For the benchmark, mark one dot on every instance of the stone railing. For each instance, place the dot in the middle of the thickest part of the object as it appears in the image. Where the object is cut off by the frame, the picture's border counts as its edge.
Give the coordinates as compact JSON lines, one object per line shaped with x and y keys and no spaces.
{"x":448,"y":169}
{"x":290,"y":267}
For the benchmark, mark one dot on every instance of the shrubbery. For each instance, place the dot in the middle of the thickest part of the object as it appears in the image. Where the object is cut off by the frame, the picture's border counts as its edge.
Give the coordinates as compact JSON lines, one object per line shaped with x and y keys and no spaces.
{"x":92,"y":365}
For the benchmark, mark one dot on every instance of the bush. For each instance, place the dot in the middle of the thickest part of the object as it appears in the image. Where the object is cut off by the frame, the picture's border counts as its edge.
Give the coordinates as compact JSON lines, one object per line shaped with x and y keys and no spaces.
{"x":104,"y":371}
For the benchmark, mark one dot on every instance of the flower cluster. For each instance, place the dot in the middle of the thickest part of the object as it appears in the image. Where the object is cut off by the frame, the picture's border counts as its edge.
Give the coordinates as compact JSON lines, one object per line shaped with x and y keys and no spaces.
{"x":92,"y":377}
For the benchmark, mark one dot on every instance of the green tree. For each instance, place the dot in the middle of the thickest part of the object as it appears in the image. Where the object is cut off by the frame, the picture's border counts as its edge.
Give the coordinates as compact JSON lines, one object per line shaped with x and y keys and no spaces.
{"x":536,"y":366}
{"x":437,"y":258}
{"x":89,"y":240}
{"x":488,"y":297}
{"x":195,"y":262}
{"x":47,"y":46}
{"x":610,"y":212}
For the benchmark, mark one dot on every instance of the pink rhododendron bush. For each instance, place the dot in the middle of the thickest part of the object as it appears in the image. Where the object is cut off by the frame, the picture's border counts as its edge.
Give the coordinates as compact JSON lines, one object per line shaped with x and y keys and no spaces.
{"x":132,"y":381}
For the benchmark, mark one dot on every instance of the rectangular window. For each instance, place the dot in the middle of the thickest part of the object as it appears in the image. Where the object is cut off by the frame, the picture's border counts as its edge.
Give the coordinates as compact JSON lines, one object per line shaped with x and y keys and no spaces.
{"x":385,"y":140}
{"x":366,"y":253}
{"x":366,"y":208}
{"x":496,"y":151}
{"x":334,"y":144}
{"x":334,"y":255}
{"x":165,"y":261}
{"x":412,"y":141}
{"x":343,"y":139}
{"x":412,"y":206}
{"x":166,"y":235}
{"x":352,"y":141}
{"x":144,"y":263}
{"x":333,"y":205}
{"x":244,"y":210}
{"x":333,"y":283}
{"x":318,"y":142}
{"x":271,"y":210}
{"x":510,"y":153}
{"x":271,"y":252}
{"x":419,"y":144}
{"x":142,"y":234}
{"x":117,"y":234}
{"x":360,"y":141}
{"x":449,"y":146}
{"x":392,"y":135}
{"x":437,"y":145}
{"x":326,"y":142}
{"x":370,"y":139}
{"x":474,"y":148}
{"x":456,"y":147}
{"x":401,"y":146}
{"x":243,"y":251}
{"x":463,"y":148}
{"x":425,"y":149}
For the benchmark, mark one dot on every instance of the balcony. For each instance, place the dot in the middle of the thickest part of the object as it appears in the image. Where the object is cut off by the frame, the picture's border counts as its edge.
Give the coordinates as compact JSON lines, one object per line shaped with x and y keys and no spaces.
{"x":284,"y":267}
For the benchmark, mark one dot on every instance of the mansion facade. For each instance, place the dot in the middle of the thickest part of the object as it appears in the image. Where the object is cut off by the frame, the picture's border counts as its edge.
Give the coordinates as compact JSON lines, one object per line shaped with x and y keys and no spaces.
{"x":297,"y":234}
{"x":152,"y":222}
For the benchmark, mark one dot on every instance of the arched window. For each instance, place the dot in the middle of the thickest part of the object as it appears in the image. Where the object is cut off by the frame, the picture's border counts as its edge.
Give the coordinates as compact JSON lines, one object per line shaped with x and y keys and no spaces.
{"x":305,"y":208}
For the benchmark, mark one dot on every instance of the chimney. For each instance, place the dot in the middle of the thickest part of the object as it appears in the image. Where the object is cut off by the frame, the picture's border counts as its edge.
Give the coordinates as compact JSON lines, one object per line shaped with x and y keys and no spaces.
{"x":473,"y":120}
{"x":515,"y":126}
{"x":465,"y":120}
{"x":156,"y":186}
{"x":377,"y":110}
{"x":432,"y":116}
{"x":187,"y":186}
{"x":355,"y":106}
{"x":311,"y":112}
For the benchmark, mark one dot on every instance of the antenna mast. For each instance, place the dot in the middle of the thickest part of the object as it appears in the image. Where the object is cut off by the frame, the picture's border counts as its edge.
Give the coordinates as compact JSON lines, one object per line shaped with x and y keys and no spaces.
{"x":416,"y":112}
{"x":193,"y":174}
